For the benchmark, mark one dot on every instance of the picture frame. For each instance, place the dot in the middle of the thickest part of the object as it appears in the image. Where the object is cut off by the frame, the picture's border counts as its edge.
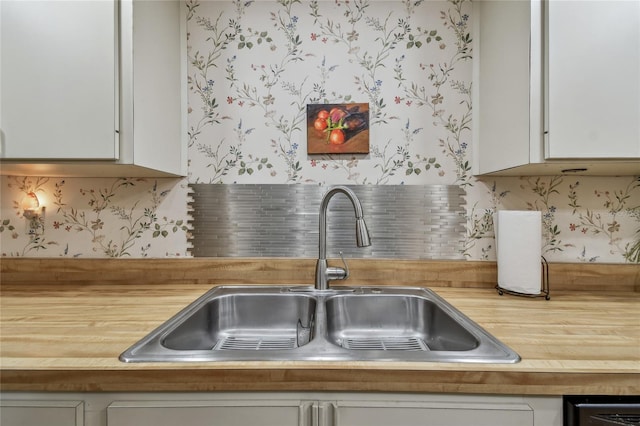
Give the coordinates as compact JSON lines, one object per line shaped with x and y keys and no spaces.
{"x":338,"y":128}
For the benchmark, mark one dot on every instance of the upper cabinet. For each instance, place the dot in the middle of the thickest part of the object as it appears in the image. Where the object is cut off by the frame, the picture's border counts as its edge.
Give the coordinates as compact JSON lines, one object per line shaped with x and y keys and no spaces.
{"x":93,"y":88}
{"x":58,"y":80}
{"x":557,"y":87}
{"x":593,"y":82}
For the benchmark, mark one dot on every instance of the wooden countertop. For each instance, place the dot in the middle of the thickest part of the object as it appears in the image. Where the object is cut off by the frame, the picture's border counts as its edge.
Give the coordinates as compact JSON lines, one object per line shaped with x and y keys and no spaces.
{"x":67,"y":337}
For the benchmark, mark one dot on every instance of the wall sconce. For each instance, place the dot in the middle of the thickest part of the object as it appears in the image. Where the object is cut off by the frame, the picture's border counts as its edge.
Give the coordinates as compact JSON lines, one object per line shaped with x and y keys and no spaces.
{"x":34,"y":214}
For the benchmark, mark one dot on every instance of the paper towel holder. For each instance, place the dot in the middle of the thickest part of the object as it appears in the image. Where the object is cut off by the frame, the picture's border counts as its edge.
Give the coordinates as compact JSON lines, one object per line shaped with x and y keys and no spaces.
{"x":544,"y":291}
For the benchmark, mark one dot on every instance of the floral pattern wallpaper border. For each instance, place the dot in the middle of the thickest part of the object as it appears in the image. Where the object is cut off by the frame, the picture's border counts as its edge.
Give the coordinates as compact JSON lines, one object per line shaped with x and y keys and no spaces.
{"x":253,"y":68}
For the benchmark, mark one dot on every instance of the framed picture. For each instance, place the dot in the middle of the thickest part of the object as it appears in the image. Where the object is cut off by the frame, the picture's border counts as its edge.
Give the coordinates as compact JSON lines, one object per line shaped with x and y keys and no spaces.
{"x":338,"y":128}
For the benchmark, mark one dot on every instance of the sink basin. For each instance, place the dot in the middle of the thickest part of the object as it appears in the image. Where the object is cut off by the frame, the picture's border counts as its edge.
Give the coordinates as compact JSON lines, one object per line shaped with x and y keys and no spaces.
{"x":279,"y":323}
{"x":395,"y":322}
{"x":231,"y":323}
{"x":245,"y":321}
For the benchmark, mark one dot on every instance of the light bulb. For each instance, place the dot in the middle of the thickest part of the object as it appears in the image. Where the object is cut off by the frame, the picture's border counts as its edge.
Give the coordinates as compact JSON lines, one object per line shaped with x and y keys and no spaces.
{"x":30,"y":202}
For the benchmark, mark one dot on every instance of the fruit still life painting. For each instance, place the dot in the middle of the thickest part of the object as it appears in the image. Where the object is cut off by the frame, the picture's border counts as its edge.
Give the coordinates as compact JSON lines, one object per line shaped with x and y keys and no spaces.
{"x":338,"y":128}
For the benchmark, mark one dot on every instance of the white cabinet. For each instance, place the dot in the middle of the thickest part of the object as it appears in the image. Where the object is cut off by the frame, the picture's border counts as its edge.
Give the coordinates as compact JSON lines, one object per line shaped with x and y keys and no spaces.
{"x":278,"y":409}
{"x":593,"y":81}
{"x":93,"y":88}
{"x":541,"y":105}
{"x":240,"y":412}
{"x":59,"y":79}
{"x":41,"y":413}
{"x":403,"y":413}
{"x":275,"y":412}
{"x":291,"y":409}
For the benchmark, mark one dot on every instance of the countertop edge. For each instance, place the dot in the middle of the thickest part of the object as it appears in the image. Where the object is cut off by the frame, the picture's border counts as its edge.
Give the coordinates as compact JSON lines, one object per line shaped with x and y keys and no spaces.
{"x":335,"y":380}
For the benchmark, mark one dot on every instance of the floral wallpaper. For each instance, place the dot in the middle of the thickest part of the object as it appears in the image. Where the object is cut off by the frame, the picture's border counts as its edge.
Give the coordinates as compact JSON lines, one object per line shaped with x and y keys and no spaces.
{"x":95,"y":217}
{"x":253,"y":68}
{"x":584,"y":219}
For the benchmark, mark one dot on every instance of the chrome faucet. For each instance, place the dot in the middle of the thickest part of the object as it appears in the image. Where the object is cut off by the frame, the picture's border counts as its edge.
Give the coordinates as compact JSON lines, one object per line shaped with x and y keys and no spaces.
{"x":325,"y":273}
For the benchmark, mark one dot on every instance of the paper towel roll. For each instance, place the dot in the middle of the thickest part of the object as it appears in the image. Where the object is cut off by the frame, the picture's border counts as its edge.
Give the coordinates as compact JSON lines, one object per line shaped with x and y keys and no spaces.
{"x":519,"y":247}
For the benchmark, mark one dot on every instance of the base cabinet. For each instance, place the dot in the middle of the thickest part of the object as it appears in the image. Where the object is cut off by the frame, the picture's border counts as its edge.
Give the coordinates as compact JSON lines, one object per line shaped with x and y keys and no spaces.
{"x":401,"y":413}
{"x":207,"y":413}
{"x":41,"y":413}
{"x":278,"y":409}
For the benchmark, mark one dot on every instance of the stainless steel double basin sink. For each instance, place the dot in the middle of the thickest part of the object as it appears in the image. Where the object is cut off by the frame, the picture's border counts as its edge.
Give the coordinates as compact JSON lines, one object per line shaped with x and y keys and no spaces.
{"x":280,"y":323}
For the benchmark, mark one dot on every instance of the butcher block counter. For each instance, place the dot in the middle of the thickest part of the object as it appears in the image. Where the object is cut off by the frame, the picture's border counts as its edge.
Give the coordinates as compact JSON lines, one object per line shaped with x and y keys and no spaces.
{"x":65,"y":322}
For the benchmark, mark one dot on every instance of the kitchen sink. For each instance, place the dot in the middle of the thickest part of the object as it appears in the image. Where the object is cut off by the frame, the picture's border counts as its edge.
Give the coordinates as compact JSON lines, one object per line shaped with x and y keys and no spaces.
{"x":297,"y":323}
{"x":321,"y":323}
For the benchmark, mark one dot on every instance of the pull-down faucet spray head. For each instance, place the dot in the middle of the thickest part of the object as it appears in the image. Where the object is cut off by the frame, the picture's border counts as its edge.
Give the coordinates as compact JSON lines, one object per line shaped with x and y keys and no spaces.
{"x":362,"y":233}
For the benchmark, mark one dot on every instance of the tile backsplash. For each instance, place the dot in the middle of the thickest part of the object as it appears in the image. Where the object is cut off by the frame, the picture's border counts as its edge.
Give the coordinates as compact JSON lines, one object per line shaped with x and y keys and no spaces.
{"x":404,"y":221}
{"x":253,"y":68}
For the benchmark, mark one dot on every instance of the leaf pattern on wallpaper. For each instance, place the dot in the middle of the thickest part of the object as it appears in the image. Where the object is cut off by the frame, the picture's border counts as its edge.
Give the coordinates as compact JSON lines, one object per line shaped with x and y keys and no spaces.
{"x":586,"y":219}
{"x":401,"y":160}
{"x":606,"y":224}
{"x":133,"y":222}
{"x":545,"y":189}
{"x":632,"y":249}
{"x":389,"y":34}
{"x":385,"y":34}
{"x":480,"y":223}
{"x":33,"y":244}
{"x":324,"y":52}
{"x":223,"y":158}
{"x":103,"y":218}
{"x":458,"y":127}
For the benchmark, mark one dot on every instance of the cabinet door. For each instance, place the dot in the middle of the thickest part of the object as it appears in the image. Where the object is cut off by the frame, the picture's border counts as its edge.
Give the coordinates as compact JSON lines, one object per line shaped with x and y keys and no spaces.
{"x":207,"y":413}
{"x":41,"y":413}
{"x":593,"y":106}
{"x":506,"y":121}
{"x":58,"y":80}
{"x":359,"y":413}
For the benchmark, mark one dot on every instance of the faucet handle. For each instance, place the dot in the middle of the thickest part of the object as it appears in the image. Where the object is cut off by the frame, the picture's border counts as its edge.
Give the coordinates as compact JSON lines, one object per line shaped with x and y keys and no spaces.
{"x":346,"y":267}
{"x":337,"y":273}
